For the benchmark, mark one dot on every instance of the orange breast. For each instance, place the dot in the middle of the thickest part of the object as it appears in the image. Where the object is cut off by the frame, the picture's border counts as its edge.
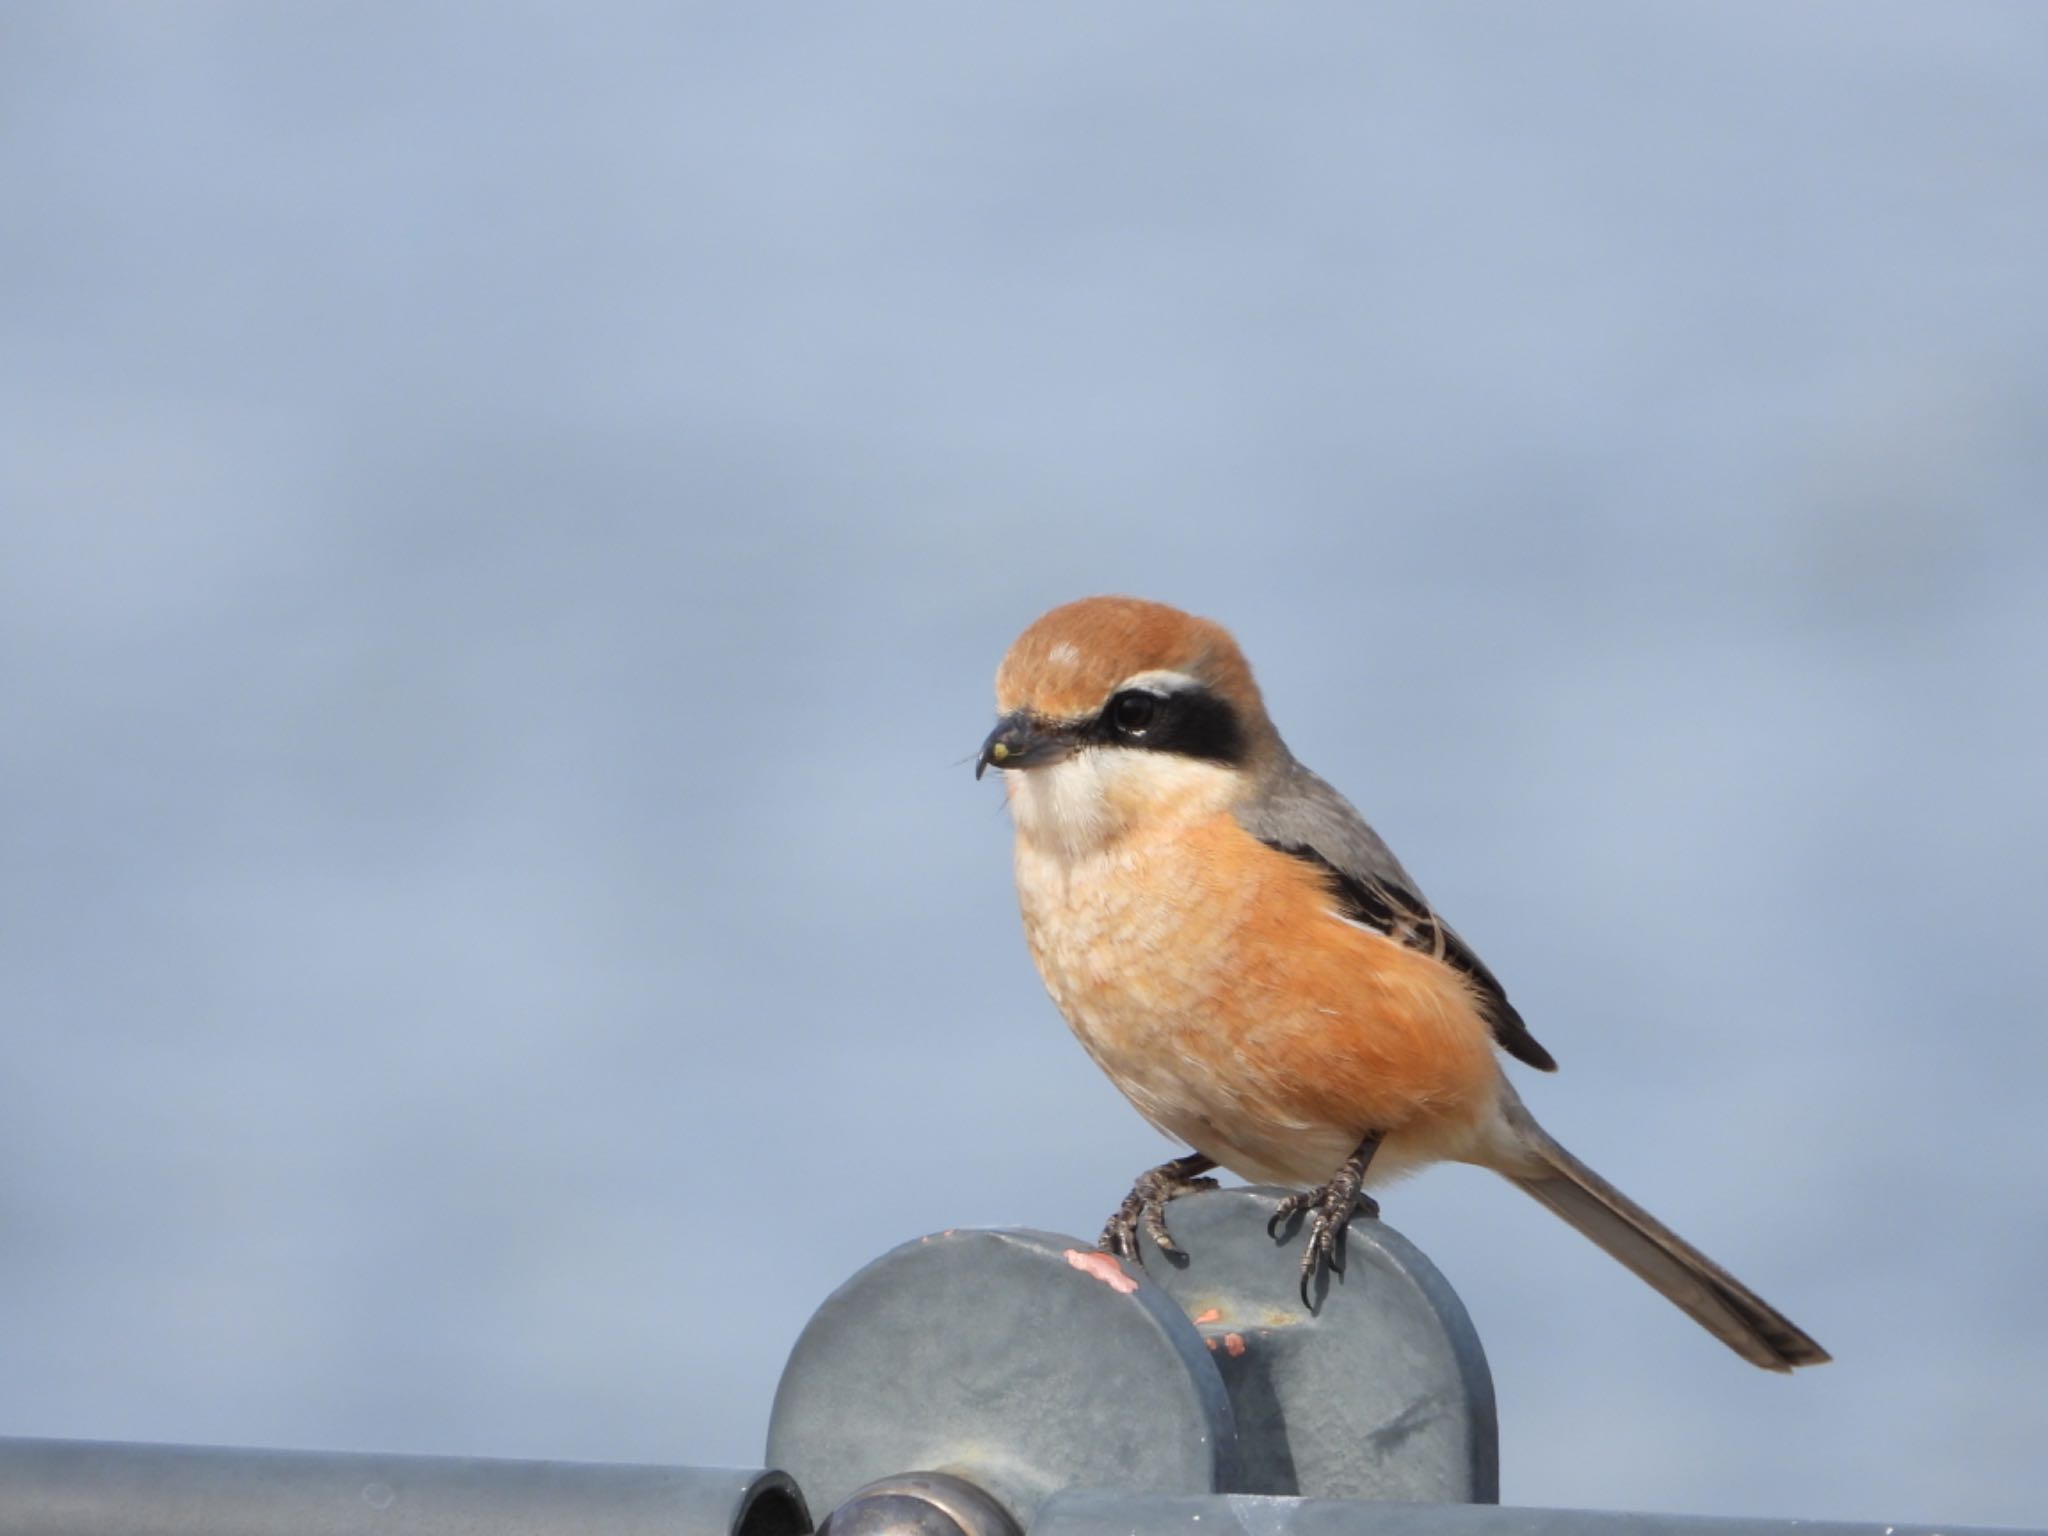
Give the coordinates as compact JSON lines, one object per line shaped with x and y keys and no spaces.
{"x":1209,"y":976}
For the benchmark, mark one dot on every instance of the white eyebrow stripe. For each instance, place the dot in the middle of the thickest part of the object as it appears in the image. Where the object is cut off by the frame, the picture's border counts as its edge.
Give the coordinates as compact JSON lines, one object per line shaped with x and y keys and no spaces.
{"x":1161,"y":680}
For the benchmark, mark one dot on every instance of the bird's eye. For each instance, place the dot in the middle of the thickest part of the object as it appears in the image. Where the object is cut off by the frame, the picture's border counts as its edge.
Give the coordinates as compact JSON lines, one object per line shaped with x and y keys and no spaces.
{"x":1131,"y":712}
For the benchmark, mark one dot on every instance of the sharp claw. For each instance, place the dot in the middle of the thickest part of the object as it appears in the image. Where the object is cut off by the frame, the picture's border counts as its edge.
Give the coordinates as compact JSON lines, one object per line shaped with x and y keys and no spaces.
{"x":1331,"y":1207}
{"x":1330,"y":1210}
{"x":1286,"y":1208}
{"x":1144,"y":1208}
{"x":1155,"y":1228}
{"x":1116,"y":1238}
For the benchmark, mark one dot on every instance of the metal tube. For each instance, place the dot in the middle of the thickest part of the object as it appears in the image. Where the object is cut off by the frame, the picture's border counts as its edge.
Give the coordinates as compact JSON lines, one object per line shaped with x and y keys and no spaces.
{"x":1237,"y":1514}
{"x":95,"y":1488}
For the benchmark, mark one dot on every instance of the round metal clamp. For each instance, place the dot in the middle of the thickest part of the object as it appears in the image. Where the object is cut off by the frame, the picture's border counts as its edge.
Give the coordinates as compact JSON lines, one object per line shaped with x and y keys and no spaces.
{"x":1019,"y":1361}
{"x":1381,"y":1392}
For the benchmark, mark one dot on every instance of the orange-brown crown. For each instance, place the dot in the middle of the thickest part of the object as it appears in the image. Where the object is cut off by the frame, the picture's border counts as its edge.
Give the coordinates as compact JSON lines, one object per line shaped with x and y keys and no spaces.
{"x":1068,"y":663}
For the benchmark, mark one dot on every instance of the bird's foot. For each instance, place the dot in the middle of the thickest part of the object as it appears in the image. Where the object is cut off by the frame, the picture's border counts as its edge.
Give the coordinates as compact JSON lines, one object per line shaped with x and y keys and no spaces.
{"x":1329,"y":1208}
{"x":1145,"y":1206}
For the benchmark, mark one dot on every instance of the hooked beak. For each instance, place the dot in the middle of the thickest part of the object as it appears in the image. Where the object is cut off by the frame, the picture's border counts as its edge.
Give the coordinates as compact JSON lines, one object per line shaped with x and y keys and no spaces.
{"x":1018,"y":741}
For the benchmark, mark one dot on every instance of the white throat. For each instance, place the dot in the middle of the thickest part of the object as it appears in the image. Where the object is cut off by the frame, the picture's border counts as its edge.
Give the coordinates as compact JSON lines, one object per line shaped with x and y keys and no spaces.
{"x":1075,"y":808}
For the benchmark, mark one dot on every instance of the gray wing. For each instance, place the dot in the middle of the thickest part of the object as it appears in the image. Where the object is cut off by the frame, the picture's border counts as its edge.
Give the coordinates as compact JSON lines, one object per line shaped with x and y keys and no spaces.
{"x":1302,"y":816}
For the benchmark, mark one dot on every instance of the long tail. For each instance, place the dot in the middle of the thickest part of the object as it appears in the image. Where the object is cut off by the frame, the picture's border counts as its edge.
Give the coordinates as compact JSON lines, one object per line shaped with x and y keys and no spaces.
{"x":1712,"y":1297}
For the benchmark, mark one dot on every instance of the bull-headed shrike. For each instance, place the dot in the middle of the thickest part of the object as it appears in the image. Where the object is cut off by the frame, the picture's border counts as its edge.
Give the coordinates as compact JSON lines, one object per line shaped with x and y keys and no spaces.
{"x":1253,"y":968}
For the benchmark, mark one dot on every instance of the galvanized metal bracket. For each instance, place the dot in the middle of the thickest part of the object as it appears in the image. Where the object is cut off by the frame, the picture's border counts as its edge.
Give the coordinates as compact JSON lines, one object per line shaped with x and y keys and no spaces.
{"x":1029,"y":1363}
{"x":1382,"y":1392}
{"x":1021,"y":1361}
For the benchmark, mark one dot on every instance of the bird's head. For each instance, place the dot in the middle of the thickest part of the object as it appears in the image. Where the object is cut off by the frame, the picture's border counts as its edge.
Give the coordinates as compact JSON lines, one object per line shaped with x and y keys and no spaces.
{"x":1115,"y":709}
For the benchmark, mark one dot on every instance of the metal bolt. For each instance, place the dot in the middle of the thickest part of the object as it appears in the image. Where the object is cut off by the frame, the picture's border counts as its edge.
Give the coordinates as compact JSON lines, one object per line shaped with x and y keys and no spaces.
{"x":919,"y":1504}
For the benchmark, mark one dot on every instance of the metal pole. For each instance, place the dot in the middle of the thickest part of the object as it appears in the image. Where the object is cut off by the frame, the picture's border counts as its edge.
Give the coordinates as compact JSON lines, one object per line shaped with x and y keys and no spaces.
{"x":1081,"y":1513}
{"x":95,"y":1488}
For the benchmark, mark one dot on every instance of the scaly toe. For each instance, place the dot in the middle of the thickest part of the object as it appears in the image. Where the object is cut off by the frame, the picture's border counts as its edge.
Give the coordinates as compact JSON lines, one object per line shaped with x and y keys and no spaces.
{"x":1311,"y":1261}
{"x":1329,"y":1209}
{"x":1292,"y":1205}
{"x":1118,"y":1237}
{"x":1155,"y":1228}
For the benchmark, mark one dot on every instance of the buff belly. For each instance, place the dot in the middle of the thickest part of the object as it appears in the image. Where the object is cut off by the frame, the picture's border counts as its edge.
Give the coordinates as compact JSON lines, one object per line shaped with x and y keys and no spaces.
{"x":1242,"y":1018}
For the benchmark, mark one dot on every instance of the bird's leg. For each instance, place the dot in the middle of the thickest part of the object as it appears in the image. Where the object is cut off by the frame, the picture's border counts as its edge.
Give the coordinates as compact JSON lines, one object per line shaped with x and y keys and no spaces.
{"x":1330,"y":1206}
{"x":1146,"y":1205}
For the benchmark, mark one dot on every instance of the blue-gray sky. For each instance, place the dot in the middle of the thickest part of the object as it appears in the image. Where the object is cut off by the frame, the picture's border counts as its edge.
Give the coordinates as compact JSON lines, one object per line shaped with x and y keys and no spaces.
{"x":508,"y":516}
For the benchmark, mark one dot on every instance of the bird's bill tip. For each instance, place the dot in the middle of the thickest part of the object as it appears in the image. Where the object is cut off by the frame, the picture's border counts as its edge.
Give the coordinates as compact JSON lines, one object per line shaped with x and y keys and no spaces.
{"x":1017,"y":742}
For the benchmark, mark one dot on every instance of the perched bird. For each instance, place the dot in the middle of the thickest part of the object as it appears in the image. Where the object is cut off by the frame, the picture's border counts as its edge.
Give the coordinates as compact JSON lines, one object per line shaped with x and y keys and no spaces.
{"x":1255,"y":970}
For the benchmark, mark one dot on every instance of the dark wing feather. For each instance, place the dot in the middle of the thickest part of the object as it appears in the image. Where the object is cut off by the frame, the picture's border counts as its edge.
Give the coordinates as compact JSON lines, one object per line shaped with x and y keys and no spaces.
{"x":1508,"y":1027}
{"x":1306,"y":819}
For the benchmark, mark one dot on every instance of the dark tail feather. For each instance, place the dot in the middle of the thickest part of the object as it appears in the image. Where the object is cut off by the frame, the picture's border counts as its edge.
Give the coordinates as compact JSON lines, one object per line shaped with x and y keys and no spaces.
{"x":1712,"y":1297}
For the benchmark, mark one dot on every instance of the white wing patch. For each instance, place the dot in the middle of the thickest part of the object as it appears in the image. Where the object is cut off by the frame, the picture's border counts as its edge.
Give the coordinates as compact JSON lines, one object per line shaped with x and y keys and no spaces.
{"x":1352,"y":922}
